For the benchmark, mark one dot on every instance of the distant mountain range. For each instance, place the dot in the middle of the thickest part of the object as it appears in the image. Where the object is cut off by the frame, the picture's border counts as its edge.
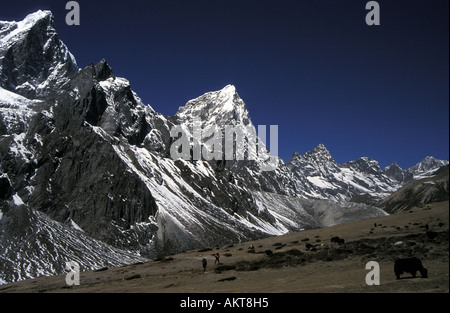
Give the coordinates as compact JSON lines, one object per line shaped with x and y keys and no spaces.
{"x":323,"y":178}
{"x":86,"y":172}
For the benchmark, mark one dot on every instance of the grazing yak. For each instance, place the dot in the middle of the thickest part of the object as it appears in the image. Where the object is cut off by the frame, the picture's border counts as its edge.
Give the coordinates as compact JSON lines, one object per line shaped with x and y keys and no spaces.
{"x":409,"y":265}
{"x":338,"y":240}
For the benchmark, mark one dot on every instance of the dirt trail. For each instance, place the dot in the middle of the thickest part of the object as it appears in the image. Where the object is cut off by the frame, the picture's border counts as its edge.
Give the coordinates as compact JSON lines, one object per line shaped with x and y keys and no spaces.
{"x":305,"y":261}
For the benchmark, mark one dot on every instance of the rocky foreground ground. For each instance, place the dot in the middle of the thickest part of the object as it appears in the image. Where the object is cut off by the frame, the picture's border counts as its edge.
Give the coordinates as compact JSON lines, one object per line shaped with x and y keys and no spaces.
{"x":308,"y":261}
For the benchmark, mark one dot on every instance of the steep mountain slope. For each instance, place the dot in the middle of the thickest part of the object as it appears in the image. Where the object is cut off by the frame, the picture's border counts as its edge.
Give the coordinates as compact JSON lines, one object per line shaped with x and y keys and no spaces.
{"x":419,"y":192}
{"x":34,"y":245}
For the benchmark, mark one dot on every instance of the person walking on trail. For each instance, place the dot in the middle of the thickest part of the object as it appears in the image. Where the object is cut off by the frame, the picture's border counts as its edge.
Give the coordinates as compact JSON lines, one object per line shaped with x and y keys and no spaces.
{"x":204,"y":263}
{"x":217,"y":255}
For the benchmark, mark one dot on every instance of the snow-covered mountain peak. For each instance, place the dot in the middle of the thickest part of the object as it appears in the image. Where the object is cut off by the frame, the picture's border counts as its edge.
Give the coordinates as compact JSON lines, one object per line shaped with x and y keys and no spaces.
{"x":227,"y":98}
{"x":34,"y":17}
{"x":364,"y":165}
{"x":294,"y":156}
{"x":10,"y":32}
{"x":428,"y":162}
{"x":103,"y":71}
{"x":229,"y":89}
{"x":427,"y":167}
{"x":322,"y":151}
{"x":33,"y":61}
{"x":397,"y":173}
{"x":319,"y":154}
{"x":317,"y":162}
{"x":222,"y":107}
{"x":392,"y":165}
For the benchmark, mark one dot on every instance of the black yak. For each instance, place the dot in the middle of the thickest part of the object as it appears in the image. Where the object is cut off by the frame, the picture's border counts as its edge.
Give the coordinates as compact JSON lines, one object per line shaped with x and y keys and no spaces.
{"x":338,"y":240}
{"x":409,"y":265}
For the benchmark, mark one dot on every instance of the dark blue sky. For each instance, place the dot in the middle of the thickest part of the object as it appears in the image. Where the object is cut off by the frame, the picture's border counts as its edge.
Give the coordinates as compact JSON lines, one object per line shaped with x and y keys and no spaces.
{"x":312,"y":67}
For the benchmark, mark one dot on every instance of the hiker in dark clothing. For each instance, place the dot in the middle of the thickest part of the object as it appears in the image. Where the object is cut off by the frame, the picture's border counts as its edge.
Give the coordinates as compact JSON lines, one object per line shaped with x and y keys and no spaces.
{"x":204,"y":263}
{"x":217,"y":255}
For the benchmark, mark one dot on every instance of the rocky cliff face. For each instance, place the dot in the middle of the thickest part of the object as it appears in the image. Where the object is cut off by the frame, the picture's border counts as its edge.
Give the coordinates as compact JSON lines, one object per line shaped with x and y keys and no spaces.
{"x":395,"y":172}
{"x":33,"y":61}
